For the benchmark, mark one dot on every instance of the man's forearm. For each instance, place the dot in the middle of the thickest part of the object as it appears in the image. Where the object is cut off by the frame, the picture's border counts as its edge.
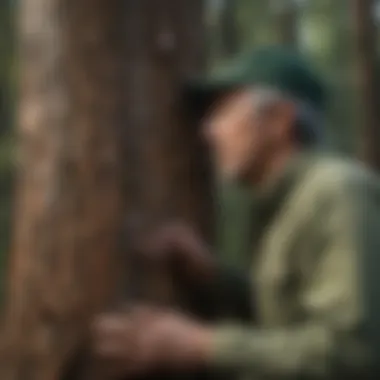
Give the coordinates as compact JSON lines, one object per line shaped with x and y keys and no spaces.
{"x":224,"y":293}
{"x":312,"y":351}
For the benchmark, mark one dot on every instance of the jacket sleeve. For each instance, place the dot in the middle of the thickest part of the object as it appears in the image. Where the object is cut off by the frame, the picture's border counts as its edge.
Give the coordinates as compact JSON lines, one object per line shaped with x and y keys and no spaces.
{"x":225,"y":295}
{"x":233,"y":294}
{"x":334,"y":337}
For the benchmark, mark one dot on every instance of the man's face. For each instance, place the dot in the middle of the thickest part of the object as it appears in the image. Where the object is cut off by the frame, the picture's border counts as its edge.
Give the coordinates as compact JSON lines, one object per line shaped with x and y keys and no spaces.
{"x":238,"y":134}
{"x":243,"y":132}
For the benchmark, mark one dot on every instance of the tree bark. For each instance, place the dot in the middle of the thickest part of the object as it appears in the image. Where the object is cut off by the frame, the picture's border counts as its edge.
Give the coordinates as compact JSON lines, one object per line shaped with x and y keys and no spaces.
{"x":169,"y":163}
{"x":368,"y":82}
{"x":68,"y":203}
{"x":229,"y":30}
{"x":89,"y":117}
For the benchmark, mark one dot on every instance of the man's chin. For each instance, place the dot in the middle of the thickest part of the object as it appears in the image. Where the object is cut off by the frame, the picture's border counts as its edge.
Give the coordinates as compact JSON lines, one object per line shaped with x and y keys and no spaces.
{"x":233,"y":176}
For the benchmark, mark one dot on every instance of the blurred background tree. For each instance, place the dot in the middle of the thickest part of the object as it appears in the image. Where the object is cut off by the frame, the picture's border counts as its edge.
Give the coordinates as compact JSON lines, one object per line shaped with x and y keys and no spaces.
{"x":7,"y":90}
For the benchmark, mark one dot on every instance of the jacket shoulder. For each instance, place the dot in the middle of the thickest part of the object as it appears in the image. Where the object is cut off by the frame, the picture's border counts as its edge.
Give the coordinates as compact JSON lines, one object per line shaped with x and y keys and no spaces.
{"x":337,"y":176}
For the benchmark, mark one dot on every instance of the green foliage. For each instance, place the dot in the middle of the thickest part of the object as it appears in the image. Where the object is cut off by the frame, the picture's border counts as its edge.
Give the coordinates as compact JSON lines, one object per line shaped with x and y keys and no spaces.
{"x":327,"y":37}
{"x":256,"y":23}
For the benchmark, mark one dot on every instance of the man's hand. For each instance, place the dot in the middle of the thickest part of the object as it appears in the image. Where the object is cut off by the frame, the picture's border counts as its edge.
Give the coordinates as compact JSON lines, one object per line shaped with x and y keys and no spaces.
{"x":114,"y":345}
{"x":149,"y":339}
{"x":178,"y":243}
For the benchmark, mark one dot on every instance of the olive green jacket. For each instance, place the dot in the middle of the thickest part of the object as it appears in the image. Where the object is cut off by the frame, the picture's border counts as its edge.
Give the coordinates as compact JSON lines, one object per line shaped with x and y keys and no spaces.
{"x":313,"y":266}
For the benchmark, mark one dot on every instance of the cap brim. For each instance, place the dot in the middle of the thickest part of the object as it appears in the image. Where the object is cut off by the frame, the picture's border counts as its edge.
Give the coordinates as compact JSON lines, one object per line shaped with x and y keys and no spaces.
{"x":200,"y":95}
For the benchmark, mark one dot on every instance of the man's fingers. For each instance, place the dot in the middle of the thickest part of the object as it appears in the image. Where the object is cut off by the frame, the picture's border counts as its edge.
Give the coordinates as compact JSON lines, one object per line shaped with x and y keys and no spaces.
{"x":120,"y":340}
{"x":115,"y":348}
{"x":143,"y":316}
{"x":109,"y":325}
{"x":111,"y":334}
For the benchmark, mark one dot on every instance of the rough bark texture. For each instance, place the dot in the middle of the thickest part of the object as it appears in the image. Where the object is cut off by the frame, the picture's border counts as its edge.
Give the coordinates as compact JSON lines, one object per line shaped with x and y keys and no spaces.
{"x":68,"y":203}
{"x":165,"y":45}
{"x":167,"y":163}
{"x":100,"y":102}
{"x":368,"y":82}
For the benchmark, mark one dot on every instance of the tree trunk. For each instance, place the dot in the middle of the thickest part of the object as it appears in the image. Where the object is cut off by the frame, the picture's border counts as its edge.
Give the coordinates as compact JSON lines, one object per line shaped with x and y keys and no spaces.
{"x":171,"y":177}
{"x":88,"y":118}
{"x":68,"y":202}
{"x":229,"y":30}
{"x":286,"y":22}
{"x":368,"y":82}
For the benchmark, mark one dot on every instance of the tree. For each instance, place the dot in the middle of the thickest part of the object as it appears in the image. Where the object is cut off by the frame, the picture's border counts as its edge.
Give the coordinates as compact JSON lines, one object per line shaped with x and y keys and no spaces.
{"x":367,"y":81}
{"x":6,"y":60}
{"x":229,"y":31}
{"x":68,"y":202}
{"x":164,"y":152}
{"x":169,"y":172}
{"x":286,"y":21}
{"x":101,"y":134}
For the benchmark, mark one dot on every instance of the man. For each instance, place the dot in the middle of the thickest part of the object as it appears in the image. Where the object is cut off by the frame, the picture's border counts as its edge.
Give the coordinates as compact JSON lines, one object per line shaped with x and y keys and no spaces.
{"x":313,"y":257}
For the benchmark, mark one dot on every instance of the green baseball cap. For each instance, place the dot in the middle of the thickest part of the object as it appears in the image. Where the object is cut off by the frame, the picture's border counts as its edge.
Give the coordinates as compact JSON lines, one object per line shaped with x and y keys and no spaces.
{"x":272,"y":66}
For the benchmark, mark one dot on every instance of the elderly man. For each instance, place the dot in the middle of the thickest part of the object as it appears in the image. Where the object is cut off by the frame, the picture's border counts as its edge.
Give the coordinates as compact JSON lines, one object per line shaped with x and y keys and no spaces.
{"x":314,"y":245}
